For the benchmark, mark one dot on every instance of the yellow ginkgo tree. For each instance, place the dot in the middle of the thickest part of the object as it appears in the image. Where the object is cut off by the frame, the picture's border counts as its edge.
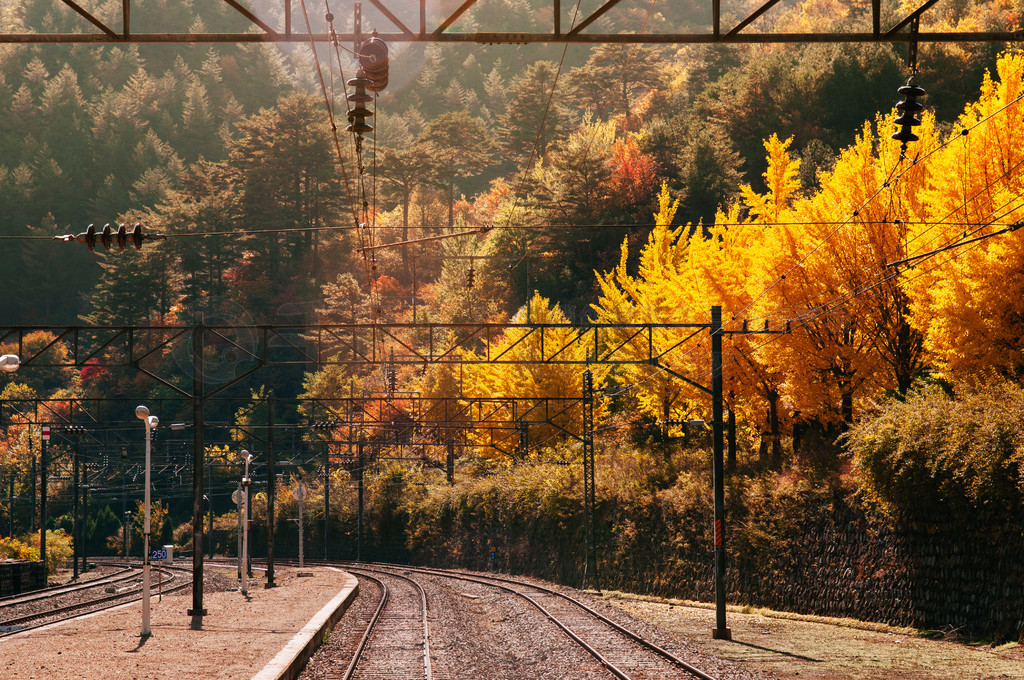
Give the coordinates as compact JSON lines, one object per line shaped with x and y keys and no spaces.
{"x":530,"y":366}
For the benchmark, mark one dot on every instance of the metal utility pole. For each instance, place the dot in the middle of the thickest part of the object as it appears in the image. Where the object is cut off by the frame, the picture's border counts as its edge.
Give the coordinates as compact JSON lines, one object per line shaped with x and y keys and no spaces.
{"x":359,"y":504}
{"x":198,"y":454}
{"x":239,"y":498}
{"x":32,"y":519}
{"x":85,"y":527}
{"x":271,"y":493}
{"x":10,"y":504}
{"x":590,"y":573}
{"x":209,"y":499}
{"x":721,"y":631}
{"x":42,"y":495}
{"x":327,"y":498}
{"x":77,"y":521}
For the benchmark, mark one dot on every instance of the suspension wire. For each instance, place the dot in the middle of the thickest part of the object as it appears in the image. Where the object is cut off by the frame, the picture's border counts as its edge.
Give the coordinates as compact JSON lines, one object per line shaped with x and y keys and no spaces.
{"x":636,"y":48}
{"x":535,"y":151}
{"x":893,"y":178}
{"x":367,"y":232}
{"x":782,"y":312}
{"x":330,"y":113}
{"x":840,"y":302}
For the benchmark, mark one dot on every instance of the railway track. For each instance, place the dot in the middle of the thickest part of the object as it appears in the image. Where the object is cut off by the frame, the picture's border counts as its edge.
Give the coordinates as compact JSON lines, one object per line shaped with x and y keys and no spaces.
{"x":396,"y":640}
{"x":558,"y":621}
{"x":123,"y":574}
{"x":67,"y":602}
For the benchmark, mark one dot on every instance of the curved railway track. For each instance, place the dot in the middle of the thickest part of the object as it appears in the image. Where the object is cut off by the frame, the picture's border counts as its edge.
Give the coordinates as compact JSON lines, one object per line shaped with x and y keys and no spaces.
{"x":120,"y":575}
{"x":63,"y":603}
{"x":394,"y":644}
{"x":620,"y":652}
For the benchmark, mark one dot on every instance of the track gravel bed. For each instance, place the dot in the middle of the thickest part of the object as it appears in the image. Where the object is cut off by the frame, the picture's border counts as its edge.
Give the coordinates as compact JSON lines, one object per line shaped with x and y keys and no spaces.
{"x":478,"y":631}
{"x":78,"y":600}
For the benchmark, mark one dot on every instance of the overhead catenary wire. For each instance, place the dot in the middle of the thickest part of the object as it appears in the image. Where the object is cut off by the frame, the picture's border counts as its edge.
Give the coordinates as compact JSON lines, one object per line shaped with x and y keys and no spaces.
{"x":893,"y":177}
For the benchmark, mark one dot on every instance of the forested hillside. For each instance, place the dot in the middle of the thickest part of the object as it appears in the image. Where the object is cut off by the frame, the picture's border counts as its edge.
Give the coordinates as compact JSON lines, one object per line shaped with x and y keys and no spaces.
{"x":871,"y":292}
{"x":466,"y":135}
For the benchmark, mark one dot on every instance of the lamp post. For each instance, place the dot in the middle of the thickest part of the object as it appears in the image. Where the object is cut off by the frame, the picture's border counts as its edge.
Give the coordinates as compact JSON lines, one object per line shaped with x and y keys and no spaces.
{"x":142,"y":413}
{"x":238,"y":496}
{"x":245,"y":523}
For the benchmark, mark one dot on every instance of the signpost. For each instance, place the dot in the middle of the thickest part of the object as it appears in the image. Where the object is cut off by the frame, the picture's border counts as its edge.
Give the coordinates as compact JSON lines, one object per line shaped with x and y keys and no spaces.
{"x":239,"y":498}
{"x":159,"y":555}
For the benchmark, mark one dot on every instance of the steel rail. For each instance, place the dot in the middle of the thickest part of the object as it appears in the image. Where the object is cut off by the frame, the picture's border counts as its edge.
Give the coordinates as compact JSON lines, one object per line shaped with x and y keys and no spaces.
{"x":43,"y":593}
{"x":625,"y":631}
{"x":75,"y":610}
{"x":385,"y":594}
{"x":428,"y":674}
{"x":496,"y":582}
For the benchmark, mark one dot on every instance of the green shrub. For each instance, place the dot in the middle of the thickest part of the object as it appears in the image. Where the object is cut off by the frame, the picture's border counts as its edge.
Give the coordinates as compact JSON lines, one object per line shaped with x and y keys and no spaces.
{"x":936,"y":456}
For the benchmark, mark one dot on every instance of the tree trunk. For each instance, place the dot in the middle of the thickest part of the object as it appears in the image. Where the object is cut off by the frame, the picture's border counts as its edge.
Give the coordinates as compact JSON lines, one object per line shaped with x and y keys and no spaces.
{"x":773,"y":424}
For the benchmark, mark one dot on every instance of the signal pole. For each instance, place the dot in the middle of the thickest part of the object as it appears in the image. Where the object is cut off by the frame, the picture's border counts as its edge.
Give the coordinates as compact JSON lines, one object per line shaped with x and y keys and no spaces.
{"x":590,"y":575}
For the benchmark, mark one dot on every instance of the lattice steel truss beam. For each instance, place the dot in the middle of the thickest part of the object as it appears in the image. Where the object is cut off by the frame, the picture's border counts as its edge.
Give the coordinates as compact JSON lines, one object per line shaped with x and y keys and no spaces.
{"x":403,"y":21}
{"x":239,"y":351}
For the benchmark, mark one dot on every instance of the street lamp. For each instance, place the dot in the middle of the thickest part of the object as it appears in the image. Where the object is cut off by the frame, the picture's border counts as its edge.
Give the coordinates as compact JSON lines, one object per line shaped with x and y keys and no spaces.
{"x":142,"y":413}
{"x":246,"y":481}
{"x":9,"y":363}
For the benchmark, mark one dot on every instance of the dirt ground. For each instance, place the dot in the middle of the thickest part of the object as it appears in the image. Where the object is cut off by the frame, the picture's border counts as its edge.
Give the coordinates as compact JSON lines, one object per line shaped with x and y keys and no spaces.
{"x":237,"y":638}
{"x":789,"y":646}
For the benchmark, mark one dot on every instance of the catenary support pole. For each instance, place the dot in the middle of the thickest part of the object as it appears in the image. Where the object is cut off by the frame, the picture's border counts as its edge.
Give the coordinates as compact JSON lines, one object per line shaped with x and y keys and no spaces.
{"x":359,"y":503}
{"x":209,"y":501}
{"x":327,"y":500}
{"x":721,"y":631}
{"x":198,"y":455}
{"x":590,"y":576}
{"x":42,"y":501}
{"x":76,"y":532}
{"x":271,"y":493}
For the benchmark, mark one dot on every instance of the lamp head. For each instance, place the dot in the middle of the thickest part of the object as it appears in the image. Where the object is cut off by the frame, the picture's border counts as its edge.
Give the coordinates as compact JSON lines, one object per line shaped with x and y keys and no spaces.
{"x":9,"y":363}
{"x":141,"y":412}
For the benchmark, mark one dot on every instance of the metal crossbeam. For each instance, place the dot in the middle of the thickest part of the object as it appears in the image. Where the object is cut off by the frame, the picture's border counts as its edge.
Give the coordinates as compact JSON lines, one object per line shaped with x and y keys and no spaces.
{"x":272,"y":23}
{"x":167,"y":353}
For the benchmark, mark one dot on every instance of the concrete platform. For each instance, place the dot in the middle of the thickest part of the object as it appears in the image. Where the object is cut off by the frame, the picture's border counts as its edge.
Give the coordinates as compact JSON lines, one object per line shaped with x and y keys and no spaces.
{"x":265,"y":636}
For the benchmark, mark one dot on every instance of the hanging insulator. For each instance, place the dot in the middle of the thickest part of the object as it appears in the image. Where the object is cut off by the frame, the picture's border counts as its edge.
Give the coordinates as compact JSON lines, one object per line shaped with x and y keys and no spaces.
{"x":373,"y":58}
{"x":470,"y":276}
{"x":88,"y":237}
{"x":106,"y":236}
{"x":358,"y":113}
{"x":908,"y":108}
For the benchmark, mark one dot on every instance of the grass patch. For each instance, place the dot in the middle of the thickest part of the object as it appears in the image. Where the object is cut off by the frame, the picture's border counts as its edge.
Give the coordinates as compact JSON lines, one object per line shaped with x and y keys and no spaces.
{"x":768,"y":613}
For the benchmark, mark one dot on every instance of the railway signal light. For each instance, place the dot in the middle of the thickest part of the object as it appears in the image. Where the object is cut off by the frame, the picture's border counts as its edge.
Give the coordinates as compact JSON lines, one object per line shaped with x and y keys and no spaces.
{"x":908,"y":108}
{"x":107,"y":237}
